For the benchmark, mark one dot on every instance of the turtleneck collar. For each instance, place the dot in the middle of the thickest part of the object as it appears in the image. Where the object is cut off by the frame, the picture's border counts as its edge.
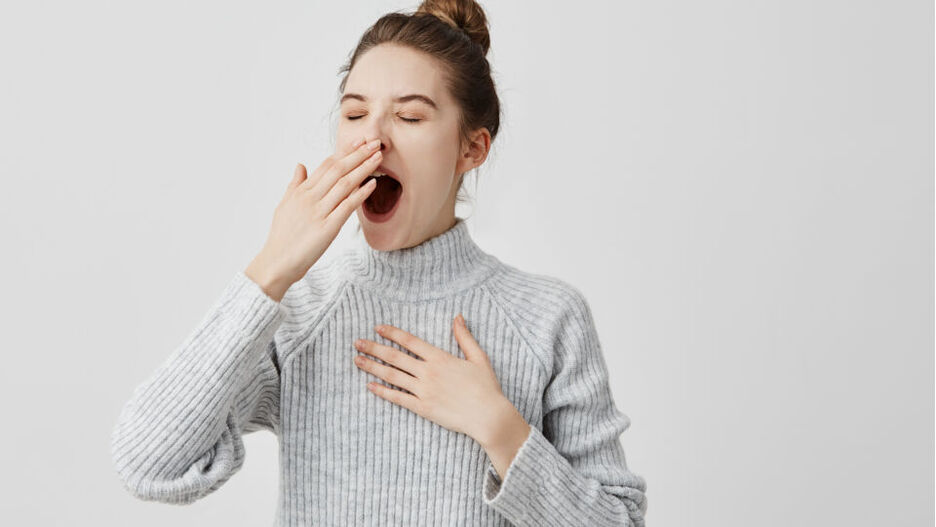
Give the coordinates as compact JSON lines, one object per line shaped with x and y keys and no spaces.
{"x":439,"y":266}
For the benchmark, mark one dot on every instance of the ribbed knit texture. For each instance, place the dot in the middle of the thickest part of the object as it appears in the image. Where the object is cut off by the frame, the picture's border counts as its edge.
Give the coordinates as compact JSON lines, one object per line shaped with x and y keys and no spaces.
{"x":349,"y":457}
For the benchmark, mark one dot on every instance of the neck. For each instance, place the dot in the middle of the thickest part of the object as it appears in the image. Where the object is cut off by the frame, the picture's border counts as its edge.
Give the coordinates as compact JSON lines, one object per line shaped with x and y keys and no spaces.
{"x":439,"y":266}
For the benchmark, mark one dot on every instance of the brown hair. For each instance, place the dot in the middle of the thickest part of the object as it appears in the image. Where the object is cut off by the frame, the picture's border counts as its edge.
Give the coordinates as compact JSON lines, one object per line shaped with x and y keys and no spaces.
{"x":454,"y":32}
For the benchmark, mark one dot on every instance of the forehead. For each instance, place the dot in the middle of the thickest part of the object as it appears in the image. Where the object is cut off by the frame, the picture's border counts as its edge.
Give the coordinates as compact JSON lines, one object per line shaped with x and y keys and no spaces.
{"x":388,"y":70}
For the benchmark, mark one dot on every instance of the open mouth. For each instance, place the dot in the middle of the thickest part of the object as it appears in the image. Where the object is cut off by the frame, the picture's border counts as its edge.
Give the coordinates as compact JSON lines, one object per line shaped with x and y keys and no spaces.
{"x":385,"y":197}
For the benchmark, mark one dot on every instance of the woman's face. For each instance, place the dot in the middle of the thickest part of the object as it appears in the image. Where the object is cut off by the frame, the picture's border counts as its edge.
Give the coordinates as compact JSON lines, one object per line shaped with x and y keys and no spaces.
{"x":419,"y":140}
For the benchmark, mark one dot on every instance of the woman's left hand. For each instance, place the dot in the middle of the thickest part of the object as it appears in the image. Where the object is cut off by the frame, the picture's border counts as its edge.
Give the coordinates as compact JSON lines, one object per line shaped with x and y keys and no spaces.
{"x":462,"y":395}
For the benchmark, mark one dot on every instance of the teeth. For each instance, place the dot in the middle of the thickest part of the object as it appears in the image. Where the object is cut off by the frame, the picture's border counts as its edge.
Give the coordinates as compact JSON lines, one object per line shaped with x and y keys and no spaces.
{"x":374,"y":175}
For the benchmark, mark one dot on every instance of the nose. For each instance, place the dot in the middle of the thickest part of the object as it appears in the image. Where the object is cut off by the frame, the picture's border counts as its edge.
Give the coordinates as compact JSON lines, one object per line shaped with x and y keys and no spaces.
{"x":377,"y":129}
{"x":384,"y":142}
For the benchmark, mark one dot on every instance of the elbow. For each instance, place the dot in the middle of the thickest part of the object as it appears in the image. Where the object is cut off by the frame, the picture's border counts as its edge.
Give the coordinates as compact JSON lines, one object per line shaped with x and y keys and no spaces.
{"x":150,"y":475}
{"x":163,"y":491}
{"x":634,"y":499}
{"x":201,"y":478}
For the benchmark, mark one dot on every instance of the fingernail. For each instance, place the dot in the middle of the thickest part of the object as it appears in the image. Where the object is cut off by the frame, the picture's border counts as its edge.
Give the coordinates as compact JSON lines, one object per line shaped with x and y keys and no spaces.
{"x":374,"y":143}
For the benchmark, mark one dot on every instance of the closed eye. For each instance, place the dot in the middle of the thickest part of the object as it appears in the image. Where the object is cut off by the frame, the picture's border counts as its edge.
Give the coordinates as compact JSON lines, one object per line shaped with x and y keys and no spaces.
{"x":356,"y":117}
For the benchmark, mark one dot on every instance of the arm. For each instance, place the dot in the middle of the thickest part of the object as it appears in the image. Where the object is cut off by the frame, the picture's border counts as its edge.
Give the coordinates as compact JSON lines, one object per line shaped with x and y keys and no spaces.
{"x":179,"y":437}
{"x":573,"y":471}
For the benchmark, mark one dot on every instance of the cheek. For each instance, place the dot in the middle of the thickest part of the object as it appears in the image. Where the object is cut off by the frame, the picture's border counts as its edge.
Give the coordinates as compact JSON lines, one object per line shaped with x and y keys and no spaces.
{"x":434,"y":151}
{"x":432,"y":164}
{"x":347,"y":133}
{"x":343,"y":137}
{"x":431,"y":186}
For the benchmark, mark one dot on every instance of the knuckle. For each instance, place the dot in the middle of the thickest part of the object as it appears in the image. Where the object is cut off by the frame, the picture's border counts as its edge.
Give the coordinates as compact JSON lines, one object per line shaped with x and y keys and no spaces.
{"x":342,"y":187}
{"x":422,"y":407}
{"x":347,"y":164}
{"x":332,"y":172}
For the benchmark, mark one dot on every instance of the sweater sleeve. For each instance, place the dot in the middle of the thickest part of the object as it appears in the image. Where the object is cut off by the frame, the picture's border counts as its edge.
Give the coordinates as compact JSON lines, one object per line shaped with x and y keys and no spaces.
{"x":179,"y":437}
{"x":573,"y":471}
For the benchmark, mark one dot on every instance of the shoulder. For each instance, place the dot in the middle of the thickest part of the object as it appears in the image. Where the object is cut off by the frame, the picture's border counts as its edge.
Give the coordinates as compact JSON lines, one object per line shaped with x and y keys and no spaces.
{"x":545,"y":309}
{"x":546,"y":295}
{"x":307,"y":304}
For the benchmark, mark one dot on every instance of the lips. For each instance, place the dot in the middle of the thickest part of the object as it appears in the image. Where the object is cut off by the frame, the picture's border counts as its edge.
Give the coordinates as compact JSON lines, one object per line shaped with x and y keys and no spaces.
{"x":389,"y":172}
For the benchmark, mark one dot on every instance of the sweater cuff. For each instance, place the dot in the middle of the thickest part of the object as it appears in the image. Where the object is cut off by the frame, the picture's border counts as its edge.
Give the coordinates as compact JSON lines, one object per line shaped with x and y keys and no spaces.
{"x":540,"y":483}
{"x":250,"y":305}
{"x":520,"y":487}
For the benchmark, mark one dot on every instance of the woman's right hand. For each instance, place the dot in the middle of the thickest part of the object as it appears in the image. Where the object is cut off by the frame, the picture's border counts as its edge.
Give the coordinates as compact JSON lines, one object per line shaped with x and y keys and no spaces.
{"x":310,"y":215}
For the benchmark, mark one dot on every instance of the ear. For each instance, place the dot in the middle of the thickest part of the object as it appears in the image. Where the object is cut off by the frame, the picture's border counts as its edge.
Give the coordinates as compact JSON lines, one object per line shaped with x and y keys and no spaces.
{"x":476,"y":151}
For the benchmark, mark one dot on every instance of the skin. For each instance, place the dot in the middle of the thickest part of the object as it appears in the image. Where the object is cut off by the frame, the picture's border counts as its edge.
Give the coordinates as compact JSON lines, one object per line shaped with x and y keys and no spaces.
{"x":462,"y":395}
{"x":427,"y":155}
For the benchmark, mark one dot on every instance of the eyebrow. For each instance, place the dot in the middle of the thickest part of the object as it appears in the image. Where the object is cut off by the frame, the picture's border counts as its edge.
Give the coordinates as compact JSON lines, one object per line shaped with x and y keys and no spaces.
{"x":402,"y":98}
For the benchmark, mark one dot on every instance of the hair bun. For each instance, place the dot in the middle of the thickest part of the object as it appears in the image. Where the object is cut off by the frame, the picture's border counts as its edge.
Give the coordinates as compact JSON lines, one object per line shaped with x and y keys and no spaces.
{"x":465,"y":15}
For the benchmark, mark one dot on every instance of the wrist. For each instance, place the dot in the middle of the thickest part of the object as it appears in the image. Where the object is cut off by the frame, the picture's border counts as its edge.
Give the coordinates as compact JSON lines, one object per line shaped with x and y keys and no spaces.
{"x":505,"y":427}
{"x":273,"y":283}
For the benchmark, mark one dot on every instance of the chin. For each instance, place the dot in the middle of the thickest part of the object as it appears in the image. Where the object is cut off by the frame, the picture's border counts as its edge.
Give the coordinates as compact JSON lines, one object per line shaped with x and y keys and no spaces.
{"x":386,"y":236}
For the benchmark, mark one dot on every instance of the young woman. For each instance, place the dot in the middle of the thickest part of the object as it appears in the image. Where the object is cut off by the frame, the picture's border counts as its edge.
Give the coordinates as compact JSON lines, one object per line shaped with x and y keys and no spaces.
{"x":415,"y":379}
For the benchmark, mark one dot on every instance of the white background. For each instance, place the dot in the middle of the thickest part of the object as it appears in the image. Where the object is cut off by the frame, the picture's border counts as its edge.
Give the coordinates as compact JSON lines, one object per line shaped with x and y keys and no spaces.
{"x":742,"y":189}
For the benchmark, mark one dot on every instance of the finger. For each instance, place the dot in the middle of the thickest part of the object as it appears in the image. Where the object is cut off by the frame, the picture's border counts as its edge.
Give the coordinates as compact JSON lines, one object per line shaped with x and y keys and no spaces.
{"x":344,"y":162}
{"x":326,"y":165}
{"x":299,"y":175}
{"x":410,"y":402}
{"x":467,"y":342}
{"x":341,"y":167}
{"x":392,"y":356}
{"x":348,"y":148}
{"x":350,"y":182}
{"x":388,"y":373}
{"x":418,"y":346}
{"x":337,"y":217}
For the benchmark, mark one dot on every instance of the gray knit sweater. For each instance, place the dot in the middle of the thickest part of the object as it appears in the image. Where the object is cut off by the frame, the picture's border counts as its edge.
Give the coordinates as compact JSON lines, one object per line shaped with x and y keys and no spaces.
{"x":350,"y":457}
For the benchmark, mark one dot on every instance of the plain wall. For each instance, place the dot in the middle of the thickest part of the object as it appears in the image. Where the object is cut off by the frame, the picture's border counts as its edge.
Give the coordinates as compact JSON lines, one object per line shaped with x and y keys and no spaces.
{"x":743,"y":190}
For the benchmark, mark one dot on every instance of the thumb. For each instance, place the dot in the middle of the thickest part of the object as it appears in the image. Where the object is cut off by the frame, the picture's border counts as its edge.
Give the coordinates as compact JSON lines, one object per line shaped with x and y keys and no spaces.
{"x":299,"y":175}
{"x":467,"y":342}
